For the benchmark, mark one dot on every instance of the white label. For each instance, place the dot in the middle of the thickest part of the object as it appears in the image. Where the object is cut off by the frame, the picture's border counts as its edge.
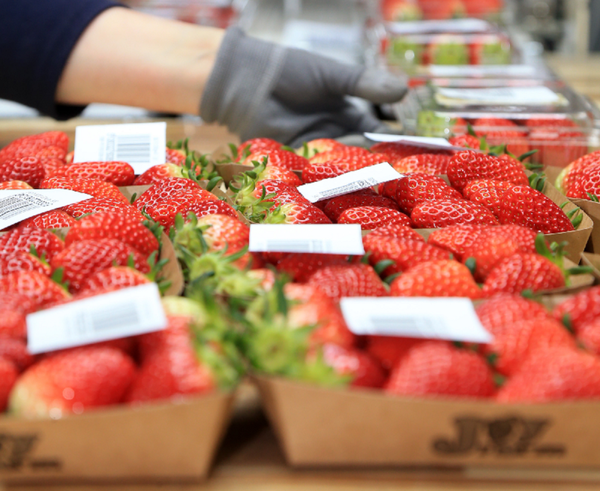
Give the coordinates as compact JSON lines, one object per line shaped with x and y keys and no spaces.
{"x":349,"y":182}
{"x":119,"y":314}
{"x":415,"y":317}
{"x":417,"y":141}
{"x":141,"y":145}
{"x":484,"y":70}
{"x":19,"y":204}
{"x":439,"y":26}
{"x":323,"y":239}
{"x":513,"y":96}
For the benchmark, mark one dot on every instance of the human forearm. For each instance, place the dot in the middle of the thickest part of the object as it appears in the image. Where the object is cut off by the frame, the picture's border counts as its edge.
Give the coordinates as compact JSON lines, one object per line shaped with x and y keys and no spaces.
{"x":127,"y":57}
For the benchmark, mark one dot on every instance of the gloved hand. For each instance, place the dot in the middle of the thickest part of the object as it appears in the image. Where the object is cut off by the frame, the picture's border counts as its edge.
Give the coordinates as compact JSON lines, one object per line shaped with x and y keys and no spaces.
{"x":260,"y":89}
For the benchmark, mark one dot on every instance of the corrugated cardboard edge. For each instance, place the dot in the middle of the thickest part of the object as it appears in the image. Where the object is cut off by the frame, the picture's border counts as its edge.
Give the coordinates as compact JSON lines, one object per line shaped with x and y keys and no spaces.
{"x":593,"y":261}
{"x":353,"y":427}
{"x":163,"y":441}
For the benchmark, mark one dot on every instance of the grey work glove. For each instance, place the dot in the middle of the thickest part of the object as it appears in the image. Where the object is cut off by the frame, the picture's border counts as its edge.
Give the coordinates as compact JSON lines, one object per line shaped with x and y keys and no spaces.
{"x":260,"y":89}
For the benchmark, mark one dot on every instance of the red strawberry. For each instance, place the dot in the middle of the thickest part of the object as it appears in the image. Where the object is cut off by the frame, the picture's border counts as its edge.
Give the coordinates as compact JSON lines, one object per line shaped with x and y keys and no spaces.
{"x":456,"y":238}
{"x":14,"y":185}
{"x":12,"y":323}
{"x":439,"y":213}
{"x":52,"y":152}
{"x":119,"y":173}
{"x":389,"y":350}
{"x":467,"y":141}
{"x":502,"y":311}
{"x":28,"y":169}
{"x":302,"y":265}
{"x":572,"y":173}
{"x":51,"y":165}
{"x":23,"y":239}
{"x":86,"y":257}
{"x":336,"y":206}
{"x":579,"y":309}
{"x":370,"y":217}
{"x":440,"y":278}
{"x":575,"y":376}
{"x":96,"y":205}
{"x":22,"y":261}
{"x":8,"y":377}
{"x":588,"y":335}
{"x":490,"y":197}
{"x":49,"y":219}
{"x":113,"y":278}
{"x":220,"y":231}
{"x":93,"y":187}
{"x":280,"y":158}
{"x":404,"y":253}
{"x":40,"y":289}
{"x":347,"y":152}
{"x":475,"y":186}
{"x":72,"y":382}
{"x":348,"y":280}
{"x":529,"y":208}
{"x":523,"y":271}
{"x":157,"y":173}
{"x":364,"y":370}
{"x":436,"y":368}
{"x":255,"y":145}
{"x":276,"y":173}
{"x":558,"y":142}
{"x":467,"y":166}
{"x":499,"y":131}
{"x":167,"y":189}
{"x":113,"y":225}
{"x":15,"y":351}
{"x":271,"y":186}
{"x":297,"y":213}
{"x":319,"y":171}
{"x":184,"y":204}
{"x":175,"y":156}
{"x":396,"y":230}
{"x":425,"y":163}
{"x":587,"y":186}
{"x":399,"y":150}
{"x":169,"y":365}
{"x":417,"y":188}
{"x":31,"y":145}
{"x":319,"y":145}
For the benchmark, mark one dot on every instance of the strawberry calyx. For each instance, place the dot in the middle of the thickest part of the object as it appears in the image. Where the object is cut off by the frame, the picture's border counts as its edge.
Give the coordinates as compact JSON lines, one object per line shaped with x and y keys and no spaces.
{"x":58,"y":278}
{"x":556,"y":254}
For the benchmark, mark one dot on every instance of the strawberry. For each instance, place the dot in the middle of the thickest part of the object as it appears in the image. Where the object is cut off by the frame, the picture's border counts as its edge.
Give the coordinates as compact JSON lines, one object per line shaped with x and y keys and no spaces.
{"x":37,"y":287}
{"x":297,"y":213}
{"x":456,"y":238}
{"x":157,"y":173}
{"x":425,"y":163}
{"x":467,"y":141}
{"x":396,"y":230}
{"x":13,"y":323}
{"x":348,"y":280}
{"x":113,"y":225}
{"x":557,"y":141}
{"x":416,"y":188}
{"x":402,"y":252}
{"x":15,"y":351}
{"x":436,"y":368}
{"x":279,"y":158}
{"x":580,"y":308}
{"x":8,"y":377}
{"x":363,"y":369}
{"x":501,"y":311}
{"x":523,"y":271}
{"x":119,"y":173}
{"x":31,"y":145}
{"x":439,"y":278}
{"x":474,"y":187}
{"x":370,"y":217}
{"x":320,"y":145}
{"x":220,"y":231}
{"x":83,"y":258}
{"x":336,"y":206}
{"x":389,"y":350}
{"x":572,"y":173}
{"x":498,"y":131}
{"x":347,"y":152}
{"x":51,"y":165}
{"x":587,"y":186}
{"x":469,"y":166}
{"x":72,"y":382}
{"x":22,"y":261}
{"x":514,"y":344}
{"x":49,"y":219}
{"x":301,"y":266}
{"x":23,"y":239}
{"x":575,"y":376}
{"x":52,"y":152}
{"x":175,"y":156}
{"x":489,"y":195}
{"x":113,"y":278}
{"x":588,"y":335}
{"x":439,"y":213}
{"x":522,"y":205}
{"x":255,"y":145}
{"x":96,"y":205}
{"x":167,"y":189}
{"x":319,"y":171}
{"x":27,"y":169}
{"x":272,"y":186}
{"x":398,"y":150}
{"x":93,"y":187}
{"x":14,"y":185}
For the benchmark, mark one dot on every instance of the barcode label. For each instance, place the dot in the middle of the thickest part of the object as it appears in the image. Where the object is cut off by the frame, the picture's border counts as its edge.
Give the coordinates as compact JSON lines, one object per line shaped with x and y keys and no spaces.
{"x":17,"y":205}
{"x":141,"y":145}
{"x":435,"y":143}
{"x":511,"y":96}
{"x":349,"y":182}
{"x":119,"y":314}
{"x":432,"y":318}
{"x":323,"y":239}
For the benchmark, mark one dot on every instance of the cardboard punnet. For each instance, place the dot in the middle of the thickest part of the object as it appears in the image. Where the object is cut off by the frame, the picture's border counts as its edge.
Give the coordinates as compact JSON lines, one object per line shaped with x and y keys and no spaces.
{"x":593,"y":261}
{"x":155,"y":442}
{"x":357,"y":427}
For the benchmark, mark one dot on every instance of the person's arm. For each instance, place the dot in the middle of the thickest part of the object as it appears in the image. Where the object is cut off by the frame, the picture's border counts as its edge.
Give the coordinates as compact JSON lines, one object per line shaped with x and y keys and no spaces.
{"x":131,"y":58}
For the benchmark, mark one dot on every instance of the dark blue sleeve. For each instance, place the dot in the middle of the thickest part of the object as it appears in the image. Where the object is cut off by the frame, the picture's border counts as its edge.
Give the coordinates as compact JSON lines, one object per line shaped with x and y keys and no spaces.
{"x":36,"y":38}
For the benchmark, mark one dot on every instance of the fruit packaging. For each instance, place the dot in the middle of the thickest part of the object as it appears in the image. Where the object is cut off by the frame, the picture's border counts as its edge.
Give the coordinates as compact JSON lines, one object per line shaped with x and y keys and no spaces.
{"x":414,"y":10}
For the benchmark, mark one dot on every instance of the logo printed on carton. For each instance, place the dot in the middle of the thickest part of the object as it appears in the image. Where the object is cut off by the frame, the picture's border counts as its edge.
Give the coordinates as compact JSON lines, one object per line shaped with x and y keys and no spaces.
{"x":15,"y":450}
{"x":513,"y":435}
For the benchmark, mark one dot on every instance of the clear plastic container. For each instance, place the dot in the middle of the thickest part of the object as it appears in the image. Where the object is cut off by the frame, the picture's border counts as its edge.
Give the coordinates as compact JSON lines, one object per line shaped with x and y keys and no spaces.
{"x":411,"y":10}
{"x":550,"y":118}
